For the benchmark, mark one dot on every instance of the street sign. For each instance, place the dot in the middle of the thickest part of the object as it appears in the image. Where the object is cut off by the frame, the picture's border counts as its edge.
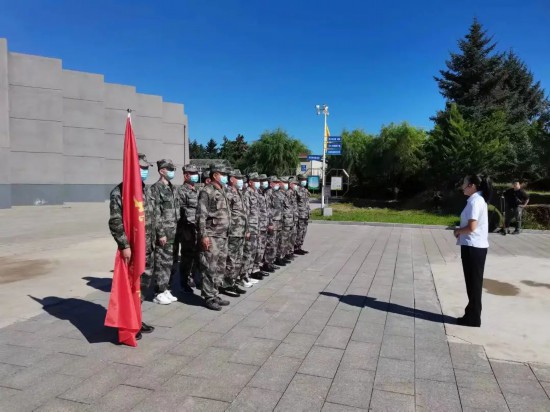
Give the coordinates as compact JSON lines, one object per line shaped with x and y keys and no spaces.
{"x":335,"y":138}
{"x":335,"y":152}
{"x":314,"y":157}
{"x":334,"y":146}
{"x":303,"y":168}
{"x":313,"y":182}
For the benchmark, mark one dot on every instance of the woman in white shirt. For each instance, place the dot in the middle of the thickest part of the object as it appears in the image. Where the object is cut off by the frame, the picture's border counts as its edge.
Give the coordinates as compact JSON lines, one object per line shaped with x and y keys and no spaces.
{"x":472,"y":236}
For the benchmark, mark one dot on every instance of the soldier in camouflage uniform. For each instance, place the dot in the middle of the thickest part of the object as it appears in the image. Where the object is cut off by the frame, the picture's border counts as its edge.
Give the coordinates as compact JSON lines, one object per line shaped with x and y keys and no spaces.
{"x":252,"y":204}
{"x":213,"y":221}
{"x":275,"y":216}
{"x":238,"y":232}
{"x":288,"y":222}
{"x":186,"y":234}
{"x":262,"y":234}
{"x":166,"y":220}
{"x":116,"y":227}
{"x":303,"y":214}
{"x":292,"y":192}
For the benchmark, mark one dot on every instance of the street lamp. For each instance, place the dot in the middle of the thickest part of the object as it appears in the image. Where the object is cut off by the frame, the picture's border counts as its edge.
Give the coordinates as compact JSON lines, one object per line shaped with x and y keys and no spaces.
{"x":323,"y":108}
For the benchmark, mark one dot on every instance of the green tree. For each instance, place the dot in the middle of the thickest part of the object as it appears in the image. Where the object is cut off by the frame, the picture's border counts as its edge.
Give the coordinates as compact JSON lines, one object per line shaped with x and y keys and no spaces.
{"x":196,"y":150}
{"x":234,"y":150}
{"x":355,"y":147}
{"x":211,"y":150}
{"x":274,"y":153}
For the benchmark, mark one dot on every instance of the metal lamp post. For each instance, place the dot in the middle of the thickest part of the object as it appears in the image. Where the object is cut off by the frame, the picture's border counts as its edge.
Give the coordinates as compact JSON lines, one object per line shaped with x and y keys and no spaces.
{"x":323,"y":108}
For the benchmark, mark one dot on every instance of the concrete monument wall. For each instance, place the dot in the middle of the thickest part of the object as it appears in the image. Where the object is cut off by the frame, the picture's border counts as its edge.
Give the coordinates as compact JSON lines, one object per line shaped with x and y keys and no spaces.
{"x":62,"y":131}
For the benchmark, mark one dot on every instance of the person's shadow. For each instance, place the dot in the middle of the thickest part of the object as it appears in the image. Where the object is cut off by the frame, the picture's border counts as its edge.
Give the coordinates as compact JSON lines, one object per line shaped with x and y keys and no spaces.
{"x":102,"y":284}
{"x":365,"y":301}
{"x":87,"y":317}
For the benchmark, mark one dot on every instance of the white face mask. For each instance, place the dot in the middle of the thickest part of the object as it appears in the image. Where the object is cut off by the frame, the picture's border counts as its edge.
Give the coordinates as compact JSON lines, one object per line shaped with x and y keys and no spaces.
{"x":303,"y":183}
{"x":265,"y":185}
{"x":257,"y":185}
{"x":240,"y":184}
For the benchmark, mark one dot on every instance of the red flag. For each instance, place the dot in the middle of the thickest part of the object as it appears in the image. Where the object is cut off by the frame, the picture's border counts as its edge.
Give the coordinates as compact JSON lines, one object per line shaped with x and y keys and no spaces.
{"x":124,"y":311}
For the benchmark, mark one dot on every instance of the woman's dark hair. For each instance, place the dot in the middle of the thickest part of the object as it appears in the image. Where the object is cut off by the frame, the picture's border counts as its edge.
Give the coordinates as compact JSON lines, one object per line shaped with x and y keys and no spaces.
{"x":483,"y":184}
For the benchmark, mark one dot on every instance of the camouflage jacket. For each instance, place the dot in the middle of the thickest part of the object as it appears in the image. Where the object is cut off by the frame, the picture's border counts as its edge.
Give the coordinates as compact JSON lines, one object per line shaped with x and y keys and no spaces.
{"x":188,"y":197}
{"x":302,"y":196}
{"x":213,"y":215}
{"x":166,"y":210}
{"x":288,"y":213}
{"x":116,"y":224}
{"x":239,"y":212}
{"x":274,"y":206}
{"x":252,"y":204}
{"x":294,"y":204}
{"x":263,"y":217}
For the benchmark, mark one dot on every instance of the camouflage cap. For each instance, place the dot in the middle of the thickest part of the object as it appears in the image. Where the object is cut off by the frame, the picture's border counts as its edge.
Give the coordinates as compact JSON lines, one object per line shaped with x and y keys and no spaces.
{"x":253,"y":176}
{"x":293,"y":180}
{"x":214,"y":168}
{"x":143,"y":160}
{"x":190,"y":169}
{"x":206,"y":174}
{"x":262,"y":177}
{"x":284,"y":179}
{"x":274,"y":179}
{"x":236,"y":173}
{"x":302,"y":177}
{"x":165,"y":164}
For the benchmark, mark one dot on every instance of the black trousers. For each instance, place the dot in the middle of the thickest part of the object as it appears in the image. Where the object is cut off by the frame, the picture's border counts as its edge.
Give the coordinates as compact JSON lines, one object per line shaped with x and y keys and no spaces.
{"x":473,"y":264}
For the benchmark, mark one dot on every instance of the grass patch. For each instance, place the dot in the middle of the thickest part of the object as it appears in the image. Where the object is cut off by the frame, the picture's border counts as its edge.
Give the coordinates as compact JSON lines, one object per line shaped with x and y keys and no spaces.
{"x":348,"y":212}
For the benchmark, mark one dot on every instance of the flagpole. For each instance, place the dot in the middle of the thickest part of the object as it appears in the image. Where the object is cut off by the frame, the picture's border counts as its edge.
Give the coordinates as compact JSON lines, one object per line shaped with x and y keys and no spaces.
{"x":323,"y":109}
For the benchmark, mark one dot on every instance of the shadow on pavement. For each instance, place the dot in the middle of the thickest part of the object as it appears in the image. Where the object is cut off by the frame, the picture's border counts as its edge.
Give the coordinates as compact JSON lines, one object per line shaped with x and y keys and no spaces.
{"x":102,"y":284}
{"x":87,"y":317}
{"x":365,"y":301}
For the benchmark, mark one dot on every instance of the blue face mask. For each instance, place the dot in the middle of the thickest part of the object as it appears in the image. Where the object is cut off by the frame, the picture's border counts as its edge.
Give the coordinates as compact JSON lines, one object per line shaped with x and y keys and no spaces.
{"x":285,"y":185}
{"x":295,"y":187}
{"x":194,"y":178}
{"x":223,"y":180}
{"x":257,"y":185}
{"x":303,"y":183}
{"x":239,"y":184}
{"x":265,"y":185}
{"x":276,"y":187}
{"x":170,"y":174}
{"x":144,"y":174}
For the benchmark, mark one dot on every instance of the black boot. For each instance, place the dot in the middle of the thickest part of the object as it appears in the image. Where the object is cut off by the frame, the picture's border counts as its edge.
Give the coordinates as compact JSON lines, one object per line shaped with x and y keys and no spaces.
{"x":212,"y":304}
{"x":145,"y":328}
{"x":280,"y":262}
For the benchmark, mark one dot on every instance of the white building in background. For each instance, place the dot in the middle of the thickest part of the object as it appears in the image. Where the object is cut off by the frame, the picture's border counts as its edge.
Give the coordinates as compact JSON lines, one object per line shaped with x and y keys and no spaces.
{"x":309,"y":167}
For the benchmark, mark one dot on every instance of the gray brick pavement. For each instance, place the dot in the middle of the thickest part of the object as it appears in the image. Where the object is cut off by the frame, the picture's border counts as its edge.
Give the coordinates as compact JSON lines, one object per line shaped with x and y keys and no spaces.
{"x":354,"y":325}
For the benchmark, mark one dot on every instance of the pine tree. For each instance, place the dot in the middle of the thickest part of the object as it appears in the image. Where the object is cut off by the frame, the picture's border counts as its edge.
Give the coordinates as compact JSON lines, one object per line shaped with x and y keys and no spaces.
{"x":211,"y":149}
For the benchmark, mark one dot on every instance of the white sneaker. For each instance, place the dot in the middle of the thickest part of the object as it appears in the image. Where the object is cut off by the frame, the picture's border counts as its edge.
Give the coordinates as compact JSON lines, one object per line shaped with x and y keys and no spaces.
{"x":168,"y":293}
{"x":162,"y":299}
{"x":246,"y":284}
{"x":253,"y":281}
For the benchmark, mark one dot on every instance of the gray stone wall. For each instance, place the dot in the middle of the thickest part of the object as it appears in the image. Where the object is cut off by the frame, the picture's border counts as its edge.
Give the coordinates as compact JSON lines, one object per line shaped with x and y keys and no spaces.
{"x":62,"y":131}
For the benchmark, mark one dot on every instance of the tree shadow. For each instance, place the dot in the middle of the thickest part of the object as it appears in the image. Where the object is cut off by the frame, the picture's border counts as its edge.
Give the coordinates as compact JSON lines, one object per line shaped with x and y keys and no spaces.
{"x":87,"y":317}
{"x":365,"y":301}
{"x":102,"y":284}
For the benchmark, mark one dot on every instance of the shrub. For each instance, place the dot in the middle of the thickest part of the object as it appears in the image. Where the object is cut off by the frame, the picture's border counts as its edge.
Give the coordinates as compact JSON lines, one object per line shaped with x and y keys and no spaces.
{"x":536,"y":217}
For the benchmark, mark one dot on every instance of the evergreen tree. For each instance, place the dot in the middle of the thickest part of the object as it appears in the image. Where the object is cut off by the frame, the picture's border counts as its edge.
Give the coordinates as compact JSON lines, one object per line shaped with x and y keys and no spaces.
{"x":196,"y":150}
{"x":211,"y":150}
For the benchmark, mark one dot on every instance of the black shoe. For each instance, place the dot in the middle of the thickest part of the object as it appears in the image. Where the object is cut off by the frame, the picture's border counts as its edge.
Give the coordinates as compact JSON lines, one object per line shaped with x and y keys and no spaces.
{"x":264,"y":274}
{"x":212,"y":304}
{"x":221,"y":302}
{"x":267,"y":268}
{"x":299,"y":252}
{"x":280,"y":262}
{"x":257,"y":275}
{"x":239,"y":290}
{"x":516,"y":232}
{"x":186,"y":288}
{"x":145,"y":328}
{"x":229,"y":292}
{"x":303,"y":252}
{"x":466,"y":322}
{"x":138,"y":336}
{"x":289,"y":257}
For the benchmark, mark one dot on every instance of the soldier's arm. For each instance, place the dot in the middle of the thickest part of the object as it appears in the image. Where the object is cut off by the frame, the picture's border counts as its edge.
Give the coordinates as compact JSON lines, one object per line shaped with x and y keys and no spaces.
{"x":202,"y":214}
{"x":159,"y":220}
{"x":116,"y":225}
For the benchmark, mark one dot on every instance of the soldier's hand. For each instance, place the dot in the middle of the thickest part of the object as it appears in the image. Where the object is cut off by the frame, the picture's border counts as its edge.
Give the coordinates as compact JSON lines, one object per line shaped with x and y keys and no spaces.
{"x":247,"y":236}
{"x":270,"y":228}
{"x":205,"y":243}
{"x":162,"y":241}
{"x":126,"y":255}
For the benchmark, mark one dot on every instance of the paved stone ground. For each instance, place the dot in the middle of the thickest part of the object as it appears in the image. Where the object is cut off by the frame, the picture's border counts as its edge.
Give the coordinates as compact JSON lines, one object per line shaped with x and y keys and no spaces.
{"x":354,"y":325}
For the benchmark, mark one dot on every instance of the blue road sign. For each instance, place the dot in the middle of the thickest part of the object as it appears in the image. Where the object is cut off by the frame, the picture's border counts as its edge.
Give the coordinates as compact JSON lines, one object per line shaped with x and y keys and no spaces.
{"x":334,"y":146}
{"x":314,"y":157}
{"x":334,"y":152}
{"x":303,"y":168}
{"x":335,"y":138}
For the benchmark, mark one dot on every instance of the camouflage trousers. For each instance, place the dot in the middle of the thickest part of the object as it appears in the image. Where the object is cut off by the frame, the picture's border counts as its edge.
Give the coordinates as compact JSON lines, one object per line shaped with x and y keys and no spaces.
{"x":234,"y":262}
{"x":189,"y":253}
{"x":301,"y":231}
{"x":146,"y":278}
{"x":162,"y":273}
{"x":249,"y":254}
{"x":293,"y":236}
{"x":212,"y":265}
{"x":260,"y":251}
{"x":284,"y":241}
{"x":272,"y":244}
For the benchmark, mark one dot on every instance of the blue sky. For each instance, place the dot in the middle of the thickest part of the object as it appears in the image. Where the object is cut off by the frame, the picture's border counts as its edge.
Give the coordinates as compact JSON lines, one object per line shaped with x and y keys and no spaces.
{"x":249,"y":66}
